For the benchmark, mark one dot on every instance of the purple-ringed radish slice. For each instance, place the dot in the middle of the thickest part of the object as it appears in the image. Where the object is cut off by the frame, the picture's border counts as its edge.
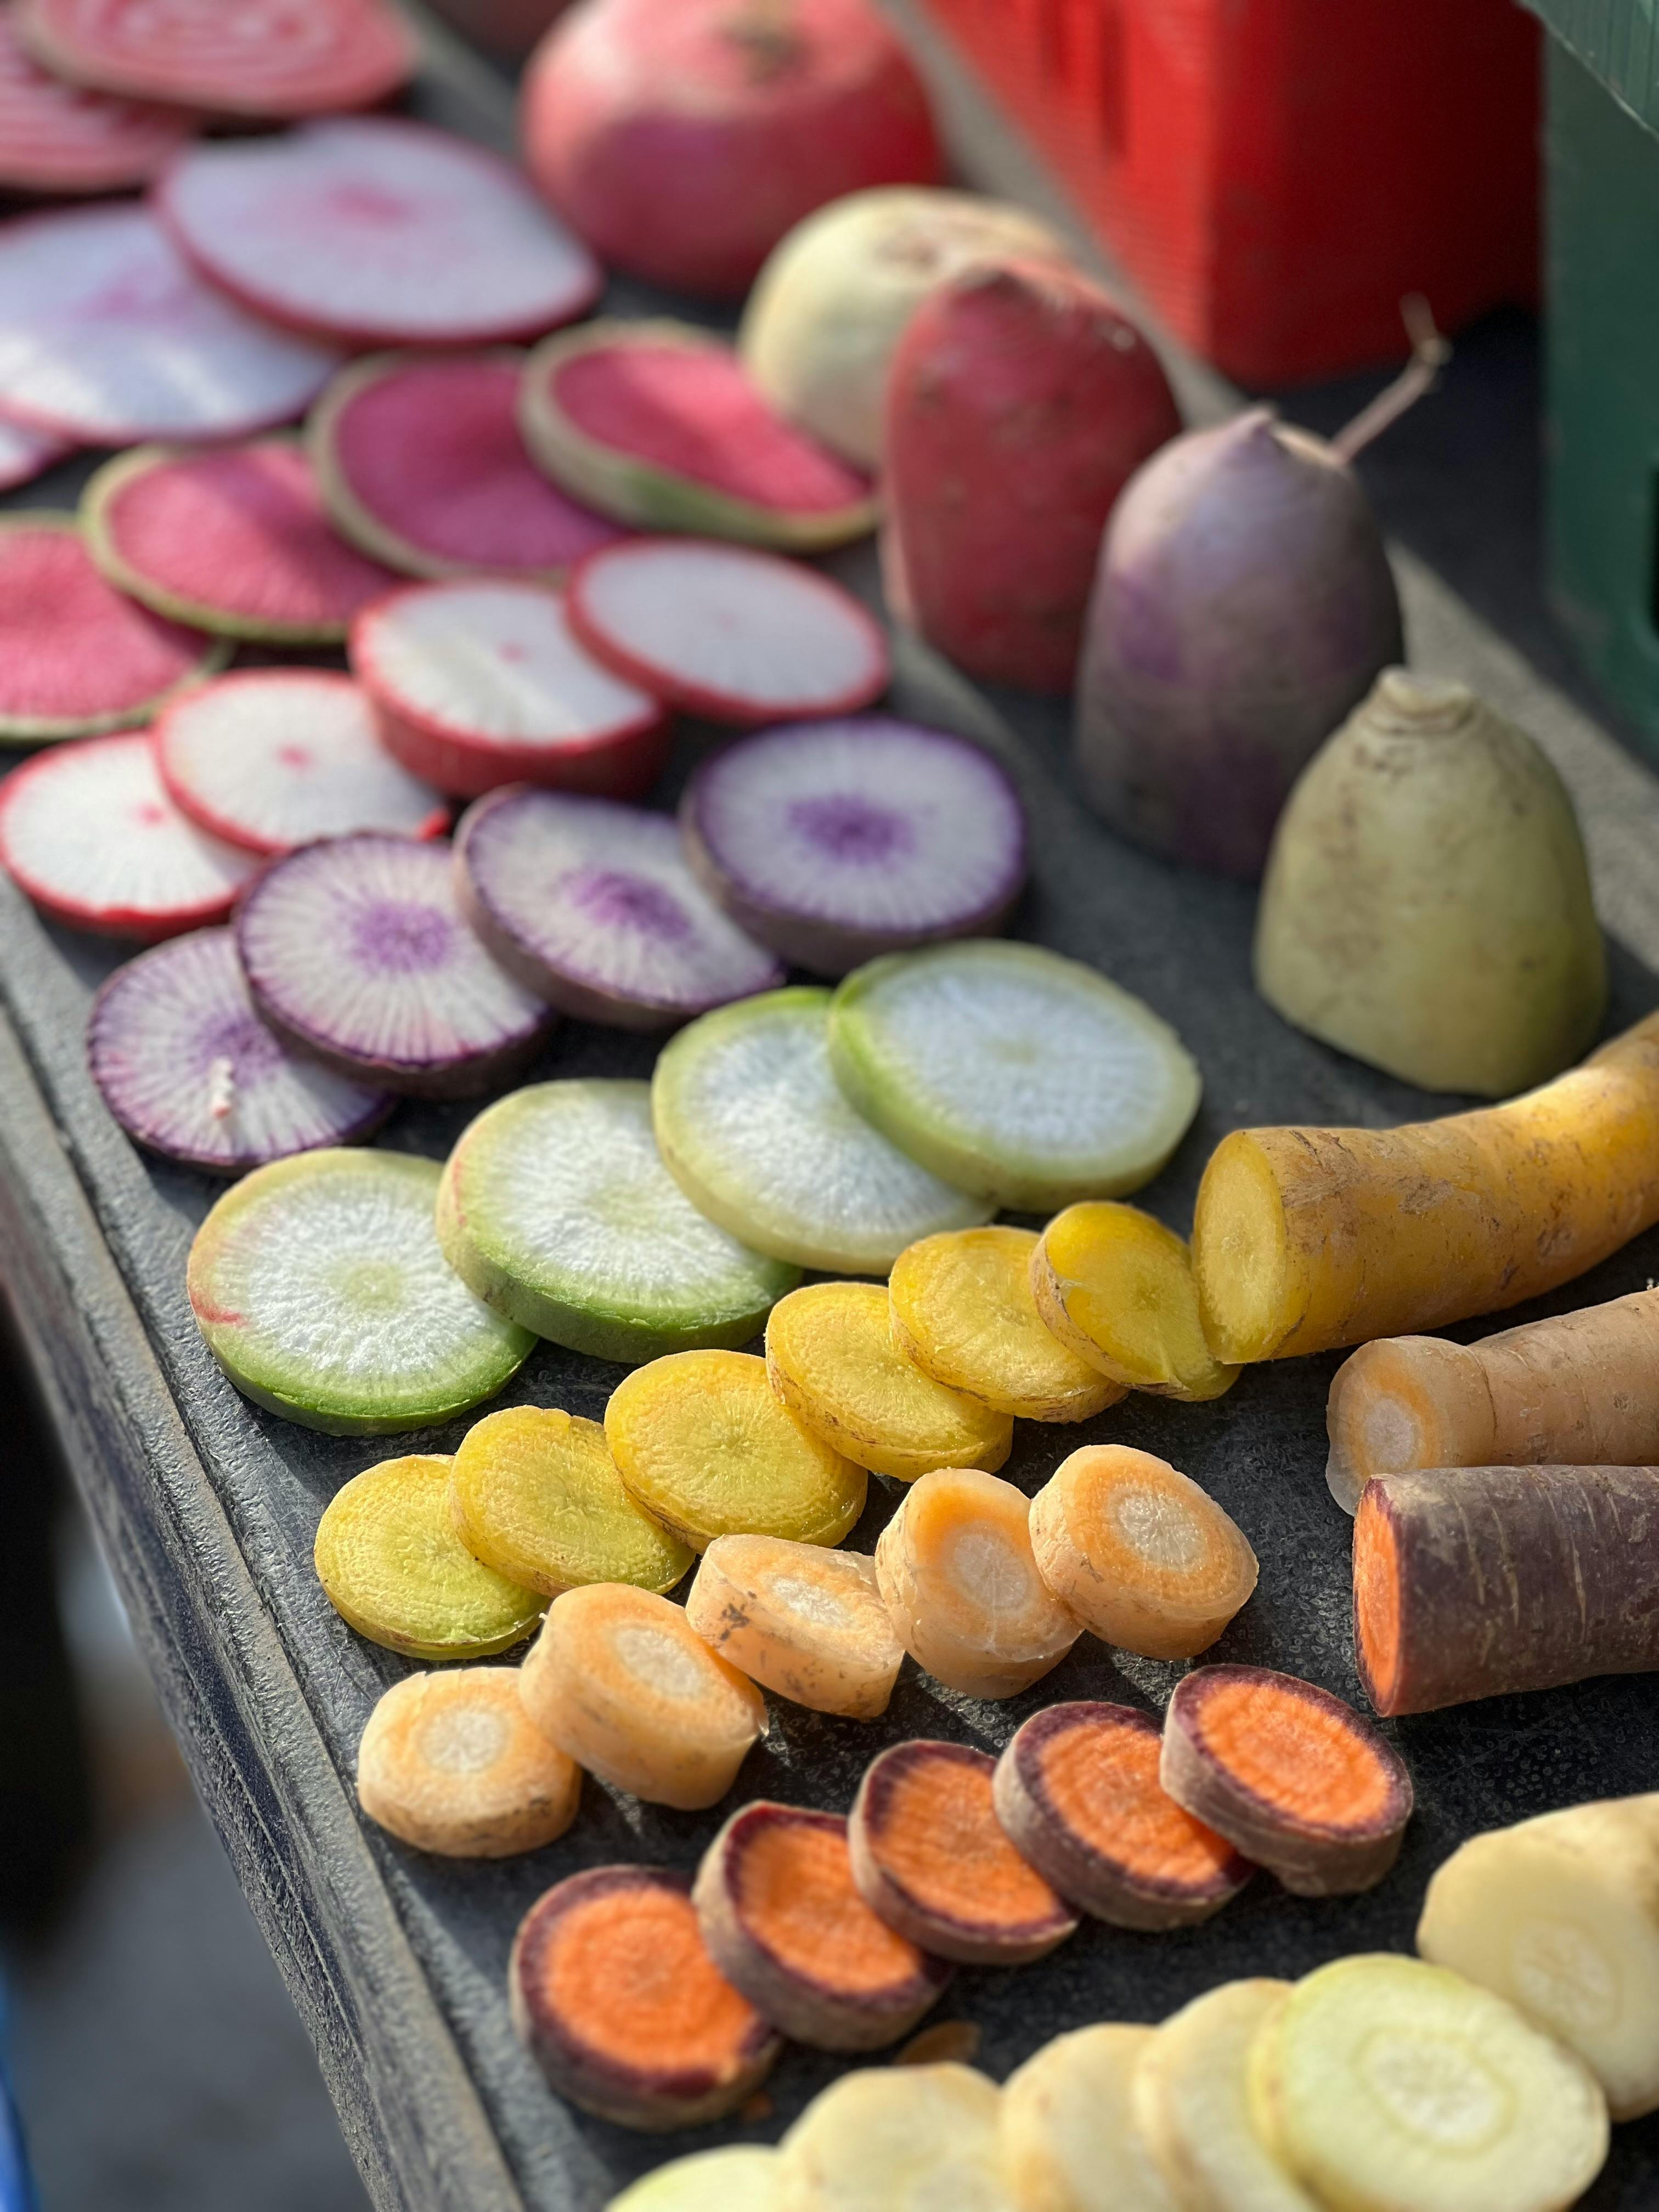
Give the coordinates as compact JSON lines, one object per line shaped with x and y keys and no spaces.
{"x":593,"y":906}
{"x":189,"y":1070}
{"x":55,"y":137}
{"x":26,"y":453}
{"x":835,"y":842}
{"x":357,"y":954}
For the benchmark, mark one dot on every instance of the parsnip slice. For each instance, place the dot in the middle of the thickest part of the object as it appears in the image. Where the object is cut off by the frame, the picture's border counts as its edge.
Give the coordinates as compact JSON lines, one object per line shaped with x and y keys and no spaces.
{"x":1071,"y":2140}
{"x":1191,"y":2102}
{"x":741,"y":2178}
{"x":1117,"y":1288}
{"x":896,"y":2139}
{"x":807,"y":1621}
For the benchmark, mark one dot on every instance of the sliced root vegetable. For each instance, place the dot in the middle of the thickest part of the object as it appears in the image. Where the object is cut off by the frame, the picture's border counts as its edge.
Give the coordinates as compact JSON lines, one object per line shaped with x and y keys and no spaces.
{"x":1118,"y":1288}
{"x":320,"y":1287}
{"x":378,"y":231}
{"x":557,"y":1208}
{"x":756,"y":1131}
{"x":837,"y":841}
{"x":394,"y":1568}
{"x":661,"y":425}
{"x":620,"y":1681}
{"x":451,"y":1764}
{"x":1078,"y":1790}
{"x":234,"y":541}
{"x":26,"y":453}
{"x":956,"y":1570}
{"x":189,"y":1070}
{"x":88,"y":831}
{"x":107,"y":336}
{"x":931,"y":1858}
{"x":357,"y":954}
{"x":806,"y":1621}
{"x":830,"y":1355}
{"x":56,"y":138}
{"x":703,"y":1443}
{"x":614,"y":1994}
{"x":1138,"y":1553}
{"x":482,"y":683}
{"x":781,"y":1915}
{"x":727,"y":633}
{"x":1192,"y":2104}
{"x":741,"y":2178}
{"x":593,"y":906}
{"x":420,"y":462}
{"x":1386,"y":2086}
{"x":893,"y":2139}
{"x":1289,"y":1774}
{"x":1071,"y":2139}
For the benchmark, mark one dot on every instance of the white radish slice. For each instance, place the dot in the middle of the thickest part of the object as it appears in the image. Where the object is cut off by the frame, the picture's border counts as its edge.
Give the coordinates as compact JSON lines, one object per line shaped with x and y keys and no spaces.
{"x":1027,"y":1079}
{"x":26,"y":453}
{"x":357,"y":954}
{"x":1190,"y":2102}
{"x":89,"y":832}
{"x":723,"y":631}
{"x":757,"y":1134}
{"x":898,"y":2139}
{"x":592,"y":905}
{"x":189,"y":1070}
{"x":835,"y":842}
{"x":56,"y":138}
{"x":380,"y":231}
{"x":271,"y":757}
{"x":482,"y":683}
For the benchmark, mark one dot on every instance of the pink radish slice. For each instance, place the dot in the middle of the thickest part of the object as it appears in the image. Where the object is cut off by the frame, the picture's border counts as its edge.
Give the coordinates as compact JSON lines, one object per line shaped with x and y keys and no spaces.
{"x":55,"y":137}
{"x":273,"y":758}
{"x":736,"y":635}
{"x":229,"y":56}
{"x":593,"y":906}
{"x":836,"y":841}
{"x":25,"y":453}
{"x":358,"y":955}
{"x":89,"y":832}
{"x":478,"y":684}
{"x":235,"y":540}
{"x":75,"y":657}
{"x":378,"y":231}
{"x":109,"y":337}
{"x":421,"y":463}
{"x":189,"y":1070}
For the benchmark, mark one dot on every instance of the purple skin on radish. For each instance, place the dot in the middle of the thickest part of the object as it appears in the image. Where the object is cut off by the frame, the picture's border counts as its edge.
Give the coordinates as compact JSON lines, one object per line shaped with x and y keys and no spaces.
{"x":357,"y":955}
{"x":836,"y":841}
{"x":593,"y":906}
{"x":189,"y":1070}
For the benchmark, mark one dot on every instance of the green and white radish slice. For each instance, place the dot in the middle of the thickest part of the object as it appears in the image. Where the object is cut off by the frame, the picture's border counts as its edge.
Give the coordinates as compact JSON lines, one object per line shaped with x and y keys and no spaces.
{"x":1024,"y":1078}
{"x":555,"y":1208}
{"x":759,"y":1135}
{"x":321,"y":1289}
{"x":741,"y":2178}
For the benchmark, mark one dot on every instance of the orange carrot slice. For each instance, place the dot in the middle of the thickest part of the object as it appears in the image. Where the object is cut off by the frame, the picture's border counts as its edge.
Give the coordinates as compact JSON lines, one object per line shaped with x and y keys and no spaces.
{"x":808,"y":1622}
{"x":451,"y":1763}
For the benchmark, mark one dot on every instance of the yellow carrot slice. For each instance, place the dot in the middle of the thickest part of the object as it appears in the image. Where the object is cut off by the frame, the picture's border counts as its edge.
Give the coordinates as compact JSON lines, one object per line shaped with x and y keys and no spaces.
{"x":1117,"y":1289}
{"x":451,"y":1764}
{"x":808,"y":1622}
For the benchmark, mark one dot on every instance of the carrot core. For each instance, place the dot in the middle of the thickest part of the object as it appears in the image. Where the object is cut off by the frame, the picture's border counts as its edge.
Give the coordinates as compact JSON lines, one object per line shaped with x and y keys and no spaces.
{"x":1377,"y":1595}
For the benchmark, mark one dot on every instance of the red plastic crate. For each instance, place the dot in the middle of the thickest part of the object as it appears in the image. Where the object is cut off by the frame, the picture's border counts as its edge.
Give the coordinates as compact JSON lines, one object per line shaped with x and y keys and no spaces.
{"x":1276,"y":173}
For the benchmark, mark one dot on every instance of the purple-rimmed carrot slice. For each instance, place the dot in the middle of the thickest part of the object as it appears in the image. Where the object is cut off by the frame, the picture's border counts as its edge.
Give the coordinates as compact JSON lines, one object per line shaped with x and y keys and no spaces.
{"x":57,"y":138}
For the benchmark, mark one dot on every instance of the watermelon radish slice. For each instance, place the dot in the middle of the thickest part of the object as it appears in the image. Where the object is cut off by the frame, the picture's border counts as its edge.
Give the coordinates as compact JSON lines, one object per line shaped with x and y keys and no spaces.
{"x":357,"y":954}
{"x":736,"y":635}
{"x":378,"y":231}
{"x":593,"y":906}
{"x":75,"y":657}
{"x":834,"y":842}
{"x":229,"y":56}
{"x":659,"y":424}
{"x":55,"y":137}
{"x":25,"y":453}
{"x":420,"y":462}
{"x":235,"y":540}
{"x":108,"y":336}
{"x":189,"y":1070}
{"x":90,"y":833}
{"x":273,"y":758}
{"x":482,"y":683}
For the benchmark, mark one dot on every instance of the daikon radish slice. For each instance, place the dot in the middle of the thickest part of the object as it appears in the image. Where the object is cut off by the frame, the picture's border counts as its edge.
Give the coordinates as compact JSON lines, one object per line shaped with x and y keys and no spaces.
{"x":451,"y":1764}
{"x":804,"y":1620}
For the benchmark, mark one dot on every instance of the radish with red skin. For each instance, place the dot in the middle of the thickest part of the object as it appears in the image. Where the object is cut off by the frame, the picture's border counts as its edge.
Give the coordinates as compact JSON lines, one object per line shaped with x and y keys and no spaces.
{"x":735,"y":635}
{"x":684,"y":137}
{"x":57,"y":138}
{"x":1020,"y":401}
{"x":273,"y":758}
{"x":377,"y":231}
{"x":189,"y":1070}
{"x":26,"y":453}
{"x":357,"y":955}
{"x":89,"y":832}
{"x":477,"y":684}
{"x":593,"y":907}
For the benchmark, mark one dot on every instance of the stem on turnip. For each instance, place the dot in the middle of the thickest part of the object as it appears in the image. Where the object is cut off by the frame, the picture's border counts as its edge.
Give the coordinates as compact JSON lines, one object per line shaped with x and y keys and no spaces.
{"x":1430,"y":354}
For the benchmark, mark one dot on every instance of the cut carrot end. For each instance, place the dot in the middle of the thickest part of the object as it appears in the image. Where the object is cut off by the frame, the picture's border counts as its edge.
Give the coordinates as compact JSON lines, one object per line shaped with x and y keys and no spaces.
{"x":1242,"y":1254}
{"x":451,"y":1763}
{"x":1378,"y":1597}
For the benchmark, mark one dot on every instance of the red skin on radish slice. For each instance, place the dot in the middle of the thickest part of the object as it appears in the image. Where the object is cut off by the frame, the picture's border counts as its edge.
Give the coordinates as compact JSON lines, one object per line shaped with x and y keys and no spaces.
{"x":189,"y":1070}
{"x":89,"y":832}
{"x":26,"y":453}
{"x":107,"y":336}
{"x":378,"y":231}
{"x":57,"y":138}
{"x":480,"y":684}
{"x":723,"y":631}
{"x":273,"y":758}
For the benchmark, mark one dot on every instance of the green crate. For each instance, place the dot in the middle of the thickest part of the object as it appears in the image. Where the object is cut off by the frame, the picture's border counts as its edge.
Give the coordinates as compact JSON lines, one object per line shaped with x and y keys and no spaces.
{"x":1618,"y":42}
